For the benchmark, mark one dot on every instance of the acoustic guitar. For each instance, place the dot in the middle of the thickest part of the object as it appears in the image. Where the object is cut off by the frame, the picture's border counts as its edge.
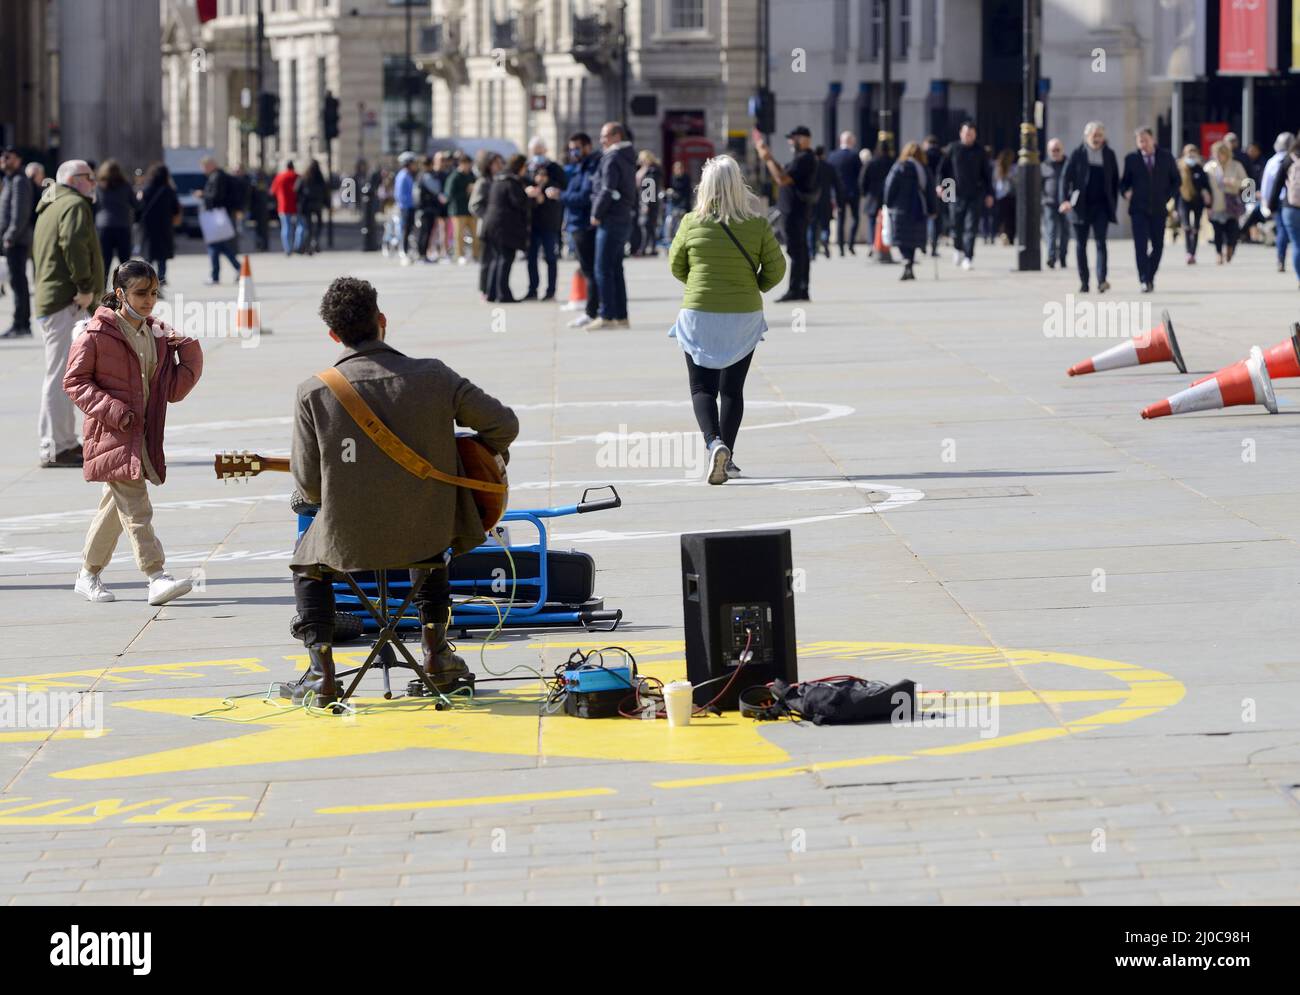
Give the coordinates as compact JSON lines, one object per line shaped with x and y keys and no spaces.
{"x":481,"y":465}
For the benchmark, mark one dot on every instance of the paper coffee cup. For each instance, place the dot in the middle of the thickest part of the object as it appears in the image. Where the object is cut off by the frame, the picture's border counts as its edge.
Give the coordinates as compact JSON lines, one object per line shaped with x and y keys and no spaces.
{"x":678,"y":703}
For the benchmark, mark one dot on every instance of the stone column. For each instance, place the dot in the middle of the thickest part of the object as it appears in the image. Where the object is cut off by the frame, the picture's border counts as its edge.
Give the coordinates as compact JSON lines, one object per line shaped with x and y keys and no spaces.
{"x":110,"y":96}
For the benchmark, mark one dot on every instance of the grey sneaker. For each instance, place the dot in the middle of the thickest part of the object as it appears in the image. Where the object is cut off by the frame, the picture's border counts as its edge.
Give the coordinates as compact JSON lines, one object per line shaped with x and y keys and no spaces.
{"x":719,"y":457}
{"x":733,"y":471}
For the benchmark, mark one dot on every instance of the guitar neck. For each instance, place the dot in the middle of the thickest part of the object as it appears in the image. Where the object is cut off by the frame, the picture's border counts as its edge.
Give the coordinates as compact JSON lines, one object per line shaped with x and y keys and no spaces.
{"x":275,"y":464}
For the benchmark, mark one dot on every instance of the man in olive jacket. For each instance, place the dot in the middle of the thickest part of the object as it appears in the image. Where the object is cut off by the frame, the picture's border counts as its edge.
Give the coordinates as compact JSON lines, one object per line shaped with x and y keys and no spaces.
{"x":69,"y":277}
{"x":373,"y":513}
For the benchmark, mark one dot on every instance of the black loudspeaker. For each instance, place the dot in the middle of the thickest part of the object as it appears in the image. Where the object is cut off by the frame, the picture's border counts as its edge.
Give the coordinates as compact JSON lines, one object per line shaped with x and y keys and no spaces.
{"x":737,"y":592}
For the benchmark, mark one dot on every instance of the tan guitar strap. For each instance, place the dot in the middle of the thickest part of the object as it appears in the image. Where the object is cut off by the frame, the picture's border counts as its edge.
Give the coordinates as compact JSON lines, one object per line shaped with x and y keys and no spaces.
{"x":397,"y":450}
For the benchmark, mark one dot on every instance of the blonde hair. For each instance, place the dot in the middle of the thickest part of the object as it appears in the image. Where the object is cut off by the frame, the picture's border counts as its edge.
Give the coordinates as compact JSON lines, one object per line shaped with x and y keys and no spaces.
{"x":723,"y":193}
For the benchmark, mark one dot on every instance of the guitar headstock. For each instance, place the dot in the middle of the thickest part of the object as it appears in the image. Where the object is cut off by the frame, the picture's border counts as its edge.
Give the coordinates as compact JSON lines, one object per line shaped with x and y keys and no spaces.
{"x":238,"y":465}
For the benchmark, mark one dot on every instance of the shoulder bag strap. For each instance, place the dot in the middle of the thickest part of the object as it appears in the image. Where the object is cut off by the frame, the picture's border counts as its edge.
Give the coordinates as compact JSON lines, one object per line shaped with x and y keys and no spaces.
{"x":731,"y":235}
{"x":397,"y":450}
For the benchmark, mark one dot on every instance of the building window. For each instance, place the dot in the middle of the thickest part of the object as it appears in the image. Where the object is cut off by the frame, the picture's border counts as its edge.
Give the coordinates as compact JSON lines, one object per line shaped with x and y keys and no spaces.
{"x":877,"y":28}
{"x":840,"y":27}
{"x":686,"y":15}
{"x":399,"y":75}
{"x":929,"y":24}
{"x":904,"y":28}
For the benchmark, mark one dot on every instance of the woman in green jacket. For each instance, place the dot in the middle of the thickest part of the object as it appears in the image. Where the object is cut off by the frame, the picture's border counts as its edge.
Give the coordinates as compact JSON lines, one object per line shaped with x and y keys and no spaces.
{"x":725,"y":253}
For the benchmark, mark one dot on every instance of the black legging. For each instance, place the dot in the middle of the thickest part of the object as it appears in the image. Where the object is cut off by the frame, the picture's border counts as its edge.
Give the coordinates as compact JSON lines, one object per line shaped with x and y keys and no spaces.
{"x":706,"y":385}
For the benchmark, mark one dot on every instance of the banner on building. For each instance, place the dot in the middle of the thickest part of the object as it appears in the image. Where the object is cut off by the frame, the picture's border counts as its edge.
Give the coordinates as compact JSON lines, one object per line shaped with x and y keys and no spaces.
{"x":1247,"y":37}
{"x":207,"y":10}
{"x":1295,"y":36}
{"x":1178,"y":39}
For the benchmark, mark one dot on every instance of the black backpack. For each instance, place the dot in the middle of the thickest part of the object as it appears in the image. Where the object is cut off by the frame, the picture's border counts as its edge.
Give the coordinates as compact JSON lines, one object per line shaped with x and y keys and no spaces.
{"x":838,"y":701}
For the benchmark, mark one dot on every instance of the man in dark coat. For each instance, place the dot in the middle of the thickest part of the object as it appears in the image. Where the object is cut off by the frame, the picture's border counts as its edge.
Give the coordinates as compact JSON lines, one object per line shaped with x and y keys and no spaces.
{"x":966,"y":185}
{"x":1089,"y":194}
{"x":844,"y":160}
{"x":374,"y":513}
{"x":613,"y":212}
{"x":1149,"y":181}
{"x":17,"y":200}
{"x":797,"y":195}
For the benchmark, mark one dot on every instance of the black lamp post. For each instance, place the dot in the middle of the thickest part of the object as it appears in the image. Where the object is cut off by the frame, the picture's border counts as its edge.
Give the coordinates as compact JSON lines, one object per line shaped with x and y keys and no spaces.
{"x":1029,"y":175}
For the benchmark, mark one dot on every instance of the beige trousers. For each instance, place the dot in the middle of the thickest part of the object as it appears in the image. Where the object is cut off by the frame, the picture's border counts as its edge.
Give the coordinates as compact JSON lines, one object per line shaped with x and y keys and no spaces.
{"x":125,"y":504}
{"x":464,"y":225}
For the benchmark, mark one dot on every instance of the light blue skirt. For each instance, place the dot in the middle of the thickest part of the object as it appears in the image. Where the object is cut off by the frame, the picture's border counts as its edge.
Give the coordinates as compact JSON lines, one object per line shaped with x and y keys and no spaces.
{"x":716,"y":339}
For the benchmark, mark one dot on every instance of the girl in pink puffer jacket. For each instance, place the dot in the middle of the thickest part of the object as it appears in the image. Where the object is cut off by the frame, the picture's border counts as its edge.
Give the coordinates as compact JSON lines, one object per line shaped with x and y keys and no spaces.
{"x":122,"y":373}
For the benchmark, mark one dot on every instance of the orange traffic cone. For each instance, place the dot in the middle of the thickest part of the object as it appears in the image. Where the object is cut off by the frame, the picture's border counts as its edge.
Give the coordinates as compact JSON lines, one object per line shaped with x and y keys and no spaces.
{"x":1155,"y":346}
{"x":577,"y":293}
{"x":1246,"y":382}
{"x":879,"y":245}
{"x":248,"y":315}
{"x":1282,"y":360}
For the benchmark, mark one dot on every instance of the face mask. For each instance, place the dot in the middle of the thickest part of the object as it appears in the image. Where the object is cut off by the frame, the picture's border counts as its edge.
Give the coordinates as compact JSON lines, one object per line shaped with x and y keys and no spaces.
{"x":129,"y":309}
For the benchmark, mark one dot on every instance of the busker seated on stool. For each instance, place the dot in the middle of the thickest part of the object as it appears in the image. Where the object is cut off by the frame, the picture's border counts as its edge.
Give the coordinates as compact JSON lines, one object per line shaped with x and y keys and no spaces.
{"x":374,"y":514}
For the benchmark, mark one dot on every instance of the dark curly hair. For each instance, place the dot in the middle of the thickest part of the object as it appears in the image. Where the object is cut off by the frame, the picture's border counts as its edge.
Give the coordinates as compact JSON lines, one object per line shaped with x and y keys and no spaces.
{"x":350,"y":309}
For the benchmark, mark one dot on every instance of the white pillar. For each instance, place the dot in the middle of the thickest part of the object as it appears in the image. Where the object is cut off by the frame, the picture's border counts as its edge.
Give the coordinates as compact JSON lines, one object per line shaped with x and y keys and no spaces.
{"x":217,"y":82}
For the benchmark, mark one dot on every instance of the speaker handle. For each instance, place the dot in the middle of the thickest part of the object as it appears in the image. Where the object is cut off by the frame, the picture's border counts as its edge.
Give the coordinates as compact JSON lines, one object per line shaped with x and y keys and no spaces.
{"x":789,"y":583}
{"x":692,"y":587}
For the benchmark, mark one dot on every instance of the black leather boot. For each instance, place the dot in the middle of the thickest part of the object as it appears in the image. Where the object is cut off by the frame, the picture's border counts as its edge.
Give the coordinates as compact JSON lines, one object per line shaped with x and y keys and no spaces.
{"x":443,"y":666}
{"x":319,"y":679}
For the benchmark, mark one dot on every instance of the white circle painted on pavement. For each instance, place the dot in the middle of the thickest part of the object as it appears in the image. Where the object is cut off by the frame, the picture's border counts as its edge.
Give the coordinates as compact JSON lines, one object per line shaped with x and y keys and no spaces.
{"x":802,"y":413}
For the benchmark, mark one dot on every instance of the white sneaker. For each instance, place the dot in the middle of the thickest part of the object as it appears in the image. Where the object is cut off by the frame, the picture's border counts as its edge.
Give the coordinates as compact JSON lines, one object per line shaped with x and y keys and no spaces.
{"x":966,"y":263}
{"x":733,"y":471}
{"x":92,"y":588}
{"x":163,"y":587}
{"x":461,"y":261}
{"x":719,"y":457}
{"x":579,"y":321}
{"x":601,"y":324}
{"x":957,"y":257}
{"x":406,"y":260}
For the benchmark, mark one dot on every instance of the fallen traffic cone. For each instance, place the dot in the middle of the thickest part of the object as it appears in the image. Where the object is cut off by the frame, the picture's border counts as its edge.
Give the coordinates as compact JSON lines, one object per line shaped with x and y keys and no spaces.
{"x":1246,"y":382}
{"x":1282,"y":360}
{"x":577,"y":293}
{"x":1155,"y":346}
{"x":248,"y":315}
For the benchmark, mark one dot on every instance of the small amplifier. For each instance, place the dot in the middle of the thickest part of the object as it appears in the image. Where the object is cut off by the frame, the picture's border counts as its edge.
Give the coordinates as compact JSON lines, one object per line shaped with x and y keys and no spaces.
{"x":589,"y":679}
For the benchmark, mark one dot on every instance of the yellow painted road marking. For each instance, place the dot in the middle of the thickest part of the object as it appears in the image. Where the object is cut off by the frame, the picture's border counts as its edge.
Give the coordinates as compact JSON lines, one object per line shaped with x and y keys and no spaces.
{"x":535,"y":796}
{"x":41,"y":735}
{"x":123,"y":675}
{"x":507,"y":723}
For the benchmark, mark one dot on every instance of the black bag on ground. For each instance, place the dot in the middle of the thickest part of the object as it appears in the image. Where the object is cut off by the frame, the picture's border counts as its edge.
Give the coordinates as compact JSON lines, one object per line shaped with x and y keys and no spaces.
{"x":845,"y":700}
